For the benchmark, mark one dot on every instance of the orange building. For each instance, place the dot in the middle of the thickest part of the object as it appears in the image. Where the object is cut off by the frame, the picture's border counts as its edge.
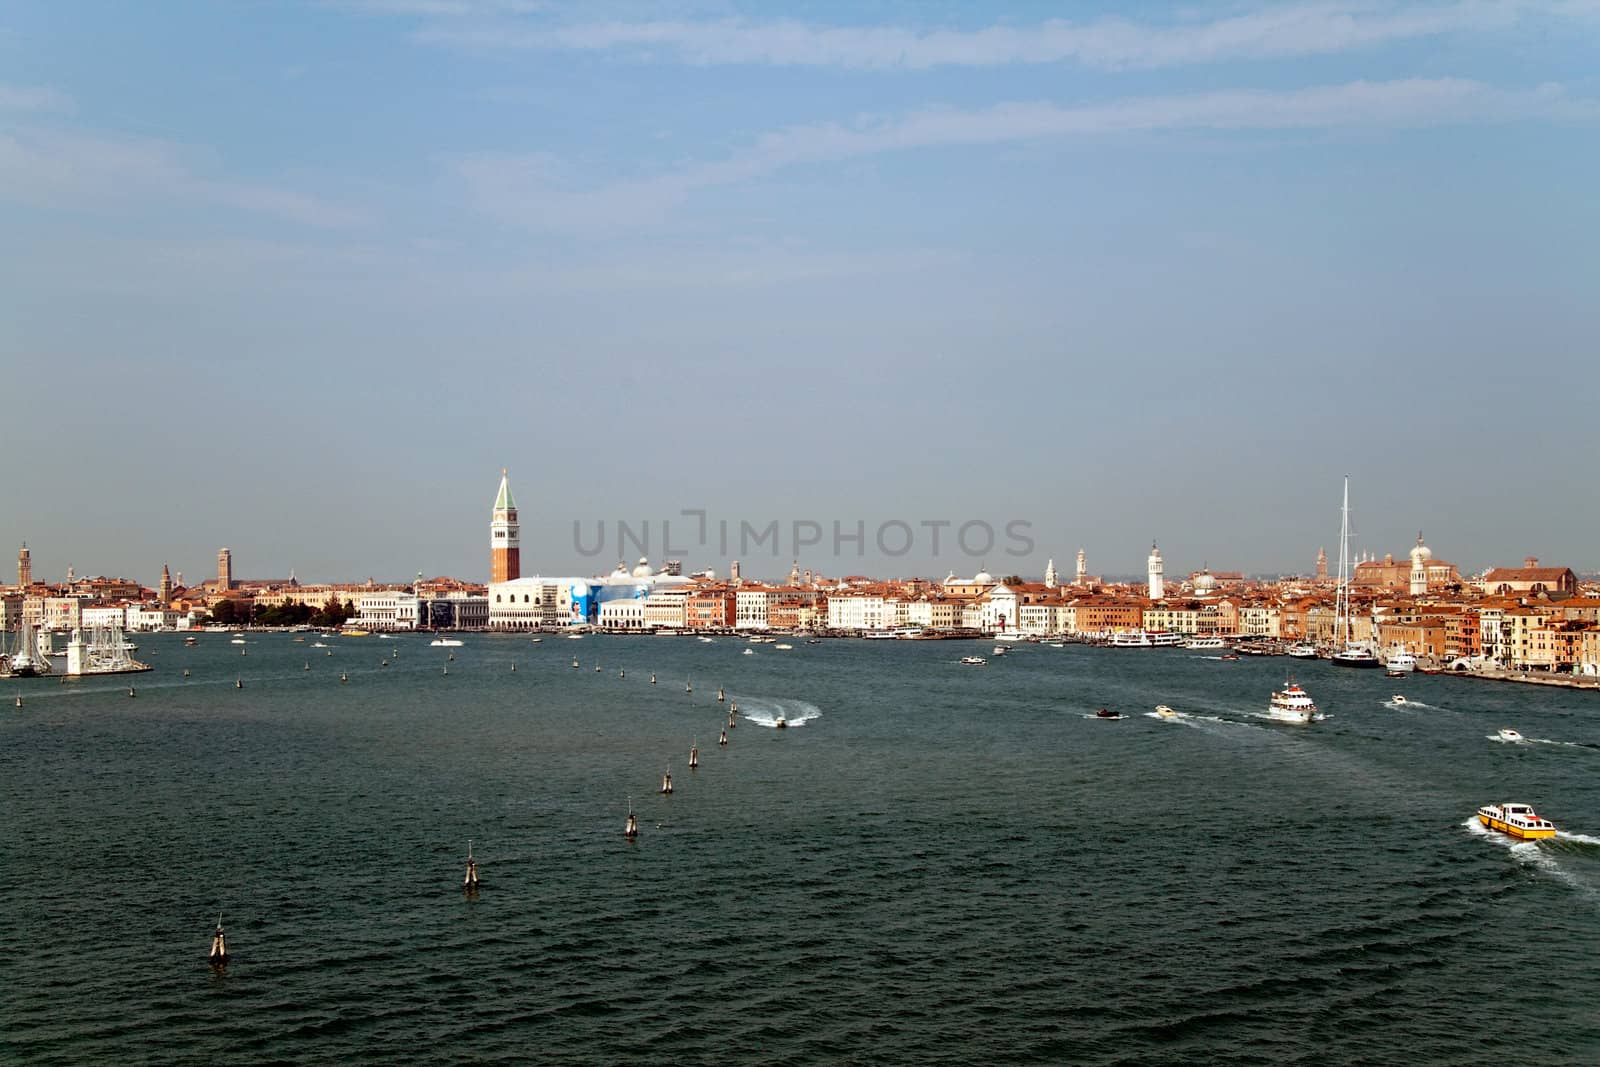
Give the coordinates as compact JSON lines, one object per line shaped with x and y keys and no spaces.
{"x":710,"y":609}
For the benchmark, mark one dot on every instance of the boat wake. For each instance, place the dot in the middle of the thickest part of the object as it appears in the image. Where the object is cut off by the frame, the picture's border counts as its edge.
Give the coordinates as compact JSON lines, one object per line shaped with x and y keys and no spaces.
{"x":1543,"y":741}
{"x":1408,"y":704}
{"x":766,"y":711}
{"x":1538,"y":855}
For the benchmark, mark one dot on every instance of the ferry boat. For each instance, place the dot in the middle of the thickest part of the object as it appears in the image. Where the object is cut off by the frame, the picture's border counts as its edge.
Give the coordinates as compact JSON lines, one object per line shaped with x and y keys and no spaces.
{"x":445,"y":642}
{"x":1301,"y":651}
{"x":1292,"y":704}
{"x":878,"y":635}
{"x":973,"y":661}
{"x":1516,"y":820}
{"x":1200,"y":643}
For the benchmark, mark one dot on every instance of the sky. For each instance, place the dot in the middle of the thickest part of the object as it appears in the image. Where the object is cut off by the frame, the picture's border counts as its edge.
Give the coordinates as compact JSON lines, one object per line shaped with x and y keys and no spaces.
{"x":301,"y":278}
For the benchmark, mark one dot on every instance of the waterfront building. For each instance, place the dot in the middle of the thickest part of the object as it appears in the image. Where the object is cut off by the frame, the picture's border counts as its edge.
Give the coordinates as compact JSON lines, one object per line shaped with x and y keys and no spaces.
{"x":1261,"y":620}
{"x":11,"y":612}
{"x":752,"y":606}
{"x":622,"y":614}
{"x":709,"y":607}
{"x":1156,"y":587}
{"x":505,"y":542}
{"x":391,"y":609}
{"x":525,"y":603}
{"x":977,"y":585}
{"x":663,"y":608}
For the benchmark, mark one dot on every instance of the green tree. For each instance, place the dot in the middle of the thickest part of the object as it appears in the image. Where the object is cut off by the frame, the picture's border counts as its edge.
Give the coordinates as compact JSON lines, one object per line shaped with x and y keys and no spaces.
{"x":224,"y":612}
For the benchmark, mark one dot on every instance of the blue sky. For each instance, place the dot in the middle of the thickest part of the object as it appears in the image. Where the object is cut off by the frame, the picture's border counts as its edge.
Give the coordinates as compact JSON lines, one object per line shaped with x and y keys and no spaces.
{"x":300,"y":278}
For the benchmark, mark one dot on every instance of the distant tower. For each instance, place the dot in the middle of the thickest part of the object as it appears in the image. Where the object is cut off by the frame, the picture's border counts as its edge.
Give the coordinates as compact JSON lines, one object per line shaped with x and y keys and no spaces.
{"x":24,"y":566}
{"x":1083,"y":569}
{"x":224,"y":569}
{"x":733,"y":572}
{"x":165,"y":592}
{"x":1050,"y":575}
{"x":505,"y":547}
{"x":1420,"y":555}
{"x":794,"y":574}
{"x":1322,"y":564}
{"x":1158,"y":586}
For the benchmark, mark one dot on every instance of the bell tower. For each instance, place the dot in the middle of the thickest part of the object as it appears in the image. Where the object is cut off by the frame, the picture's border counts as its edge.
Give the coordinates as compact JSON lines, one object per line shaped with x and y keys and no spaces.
{"x":505,"y":549}
{"x":24,"y":567}
{"x":1158,"y":585}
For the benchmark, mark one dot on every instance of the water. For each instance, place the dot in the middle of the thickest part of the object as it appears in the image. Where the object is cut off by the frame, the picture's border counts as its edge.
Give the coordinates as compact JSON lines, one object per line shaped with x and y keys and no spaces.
{"x":942,"y":864}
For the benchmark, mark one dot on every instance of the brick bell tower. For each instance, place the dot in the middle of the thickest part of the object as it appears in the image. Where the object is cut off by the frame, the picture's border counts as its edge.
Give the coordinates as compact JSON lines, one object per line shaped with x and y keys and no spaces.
{"x":505,"y":551}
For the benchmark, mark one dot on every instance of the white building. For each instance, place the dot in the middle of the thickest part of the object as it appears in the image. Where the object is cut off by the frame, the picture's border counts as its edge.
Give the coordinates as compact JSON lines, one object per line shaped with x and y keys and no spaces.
{"x":751,"y":606}
{"x":524,"y":603}
{"x":140,"y":617}
{"x":102,"y":616}
{"x":627,"y":614}
{"x":998,"y":610}
{"x":663,"y":609}
{"x":387,"y":610}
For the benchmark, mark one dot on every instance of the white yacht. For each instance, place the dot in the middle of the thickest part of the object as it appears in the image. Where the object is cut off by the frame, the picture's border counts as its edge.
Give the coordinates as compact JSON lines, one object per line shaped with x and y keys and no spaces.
{"x":1292,"y":704}
{"x":973,"y":661}
{"x":1303,"y":650}
{"x":1399,"y":664}
{"x":444,"y":642}
{"x":1508,"y":734}
{"x":1201,"y":643}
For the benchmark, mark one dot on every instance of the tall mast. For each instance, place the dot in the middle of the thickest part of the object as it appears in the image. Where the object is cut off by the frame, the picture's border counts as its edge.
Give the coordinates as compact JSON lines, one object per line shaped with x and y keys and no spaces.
{"x":1341,"y":603}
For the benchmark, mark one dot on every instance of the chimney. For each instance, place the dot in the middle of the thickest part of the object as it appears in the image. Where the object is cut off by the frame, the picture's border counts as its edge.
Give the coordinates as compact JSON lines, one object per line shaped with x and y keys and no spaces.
{"x":1530,"y":562}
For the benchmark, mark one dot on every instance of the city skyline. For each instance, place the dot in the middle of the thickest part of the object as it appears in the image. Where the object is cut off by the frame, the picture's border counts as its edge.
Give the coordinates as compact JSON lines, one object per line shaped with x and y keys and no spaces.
{"x":299,"y":278}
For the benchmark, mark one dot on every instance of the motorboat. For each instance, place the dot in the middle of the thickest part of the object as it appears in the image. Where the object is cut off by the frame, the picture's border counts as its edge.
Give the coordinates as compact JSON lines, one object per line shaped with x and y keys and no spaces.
{"x":1164,"y":712}
{"x":1229,"y":656}
{"x":1516,"y":820}
{"x":1292,"y":704}
{"x":781,"y":723}
{"x":1397,"y":699}
{"x":973,"y":661}
{"x":783,"y":647}
{"x":749,"y":652}
{"x":1301,"y":651}
{"x":1202,"y":643}
{"x":1399,"y":664}
{"x":1355,"y":656}
{"x":999,"y":650}
{"x":237,"y":641}
{"x":1508,"y":734}
{"x":445,"y":642}
{"x":1107,"y":713}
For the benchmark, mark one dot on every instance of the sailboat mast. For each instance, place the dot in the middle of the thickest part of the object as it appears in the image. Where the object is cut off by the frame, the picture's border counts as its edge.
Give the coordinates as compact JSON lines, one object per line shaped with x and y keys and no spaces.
{"x":1341,"y":603}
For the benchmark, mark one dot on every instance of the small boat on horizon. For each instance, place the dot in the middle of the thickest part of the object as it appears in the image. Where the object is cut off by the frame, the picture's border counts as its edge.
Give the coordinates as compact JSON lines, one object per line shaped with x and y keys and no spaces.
{"x":1164,"y":712}
{"x":445,"y":642}
{"x":973,"y":661}
{"x":1508,"y":734}
{"x":1107,"y":713}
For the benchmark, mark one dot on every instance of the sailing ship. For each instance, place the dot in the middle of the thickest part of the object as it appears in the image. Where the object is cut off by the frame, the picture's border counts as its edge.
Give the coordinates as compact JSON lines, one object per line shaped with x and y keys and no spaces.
{"x":1347,"y":652}
{"x":27,"y":659}
{"x":105,"y":652}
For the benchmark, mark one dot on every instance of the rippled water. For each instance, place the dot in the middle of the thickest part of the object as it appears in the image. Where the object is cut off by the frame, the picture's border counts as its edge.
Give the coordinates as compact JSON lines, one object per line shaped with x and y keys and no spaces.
{"x":942,"y":864}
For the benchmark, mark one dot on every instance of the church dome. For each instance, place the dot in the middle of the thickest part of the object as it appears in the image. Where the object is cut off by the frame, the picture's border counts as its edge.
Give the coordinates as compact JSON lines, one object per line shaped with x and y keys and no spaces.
{"x":983,"y":578}
{"x":643,"y":569}
{"x":1422,"y":552}
{"x":1205,"y":583}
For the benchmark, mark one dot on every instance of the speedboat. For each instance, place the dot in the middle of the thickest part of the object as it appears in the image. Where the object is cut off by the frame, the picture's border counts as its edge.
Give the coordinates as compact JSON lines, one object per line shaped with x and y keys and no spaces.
{"x":236,"y":641}
{"x":1397,"y":699}
{"x":1292,"y":704}
{"x":783,"y":647}
{"x":1508,"y":734}
{"x":1301,"y":651}
{"x":973,"y":661}
{"x":1516,"y":820}
{"x":1107,"y":713}
{"x":782,"y":723}
{"x":749,"y":652}
{"x":999,"y":650}
{"x":1164,"y":712}
{"x":1229,"y":656}
{"x":444,"y":642}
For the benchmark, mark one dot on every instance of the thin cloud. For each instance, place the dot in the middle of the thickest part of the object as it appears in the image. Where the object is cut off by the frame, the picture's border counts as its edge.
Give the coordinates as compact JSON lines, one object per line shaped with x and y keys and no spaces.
{"x":33,"y":98}
{"x":537,"y":191}
{"x":1109,"y":43}
{"x":88,"y":170}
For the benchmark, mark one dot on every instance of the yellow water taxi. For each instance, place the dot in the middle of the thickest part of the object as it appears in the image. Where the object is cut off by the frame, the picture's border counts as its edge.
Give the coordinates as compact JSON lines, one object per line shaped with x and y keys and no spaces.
{"x":1516,"y":820}
{"x":352,"y":632}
